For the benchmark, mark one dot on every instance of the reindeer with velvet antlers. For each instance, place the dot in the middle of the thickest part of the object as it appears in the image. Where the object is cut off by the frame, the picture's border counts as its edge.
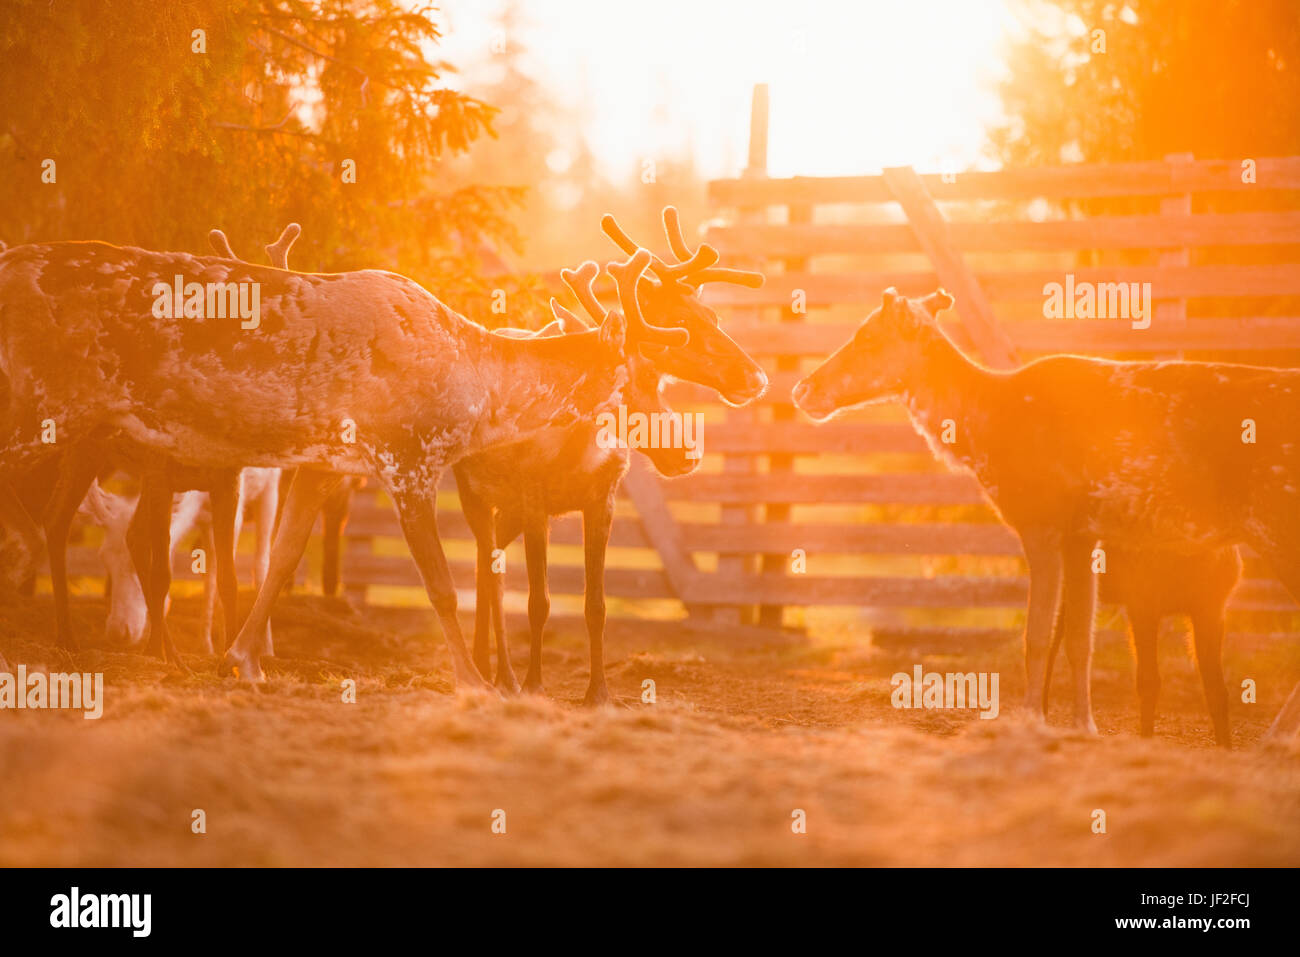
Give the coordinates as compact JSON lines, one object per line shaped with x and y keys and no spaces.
{"x":358,"y":373}
{"x":516,"y":488}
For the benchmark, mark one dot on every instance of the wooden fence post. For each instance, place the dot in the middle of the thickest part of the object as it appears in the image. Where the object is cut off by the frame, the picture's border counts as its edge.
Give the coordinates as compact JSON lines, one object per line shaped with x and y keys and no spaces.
{"x":773,"y":615}
{"x":733,"y":567}
{"x":1173,"y":310}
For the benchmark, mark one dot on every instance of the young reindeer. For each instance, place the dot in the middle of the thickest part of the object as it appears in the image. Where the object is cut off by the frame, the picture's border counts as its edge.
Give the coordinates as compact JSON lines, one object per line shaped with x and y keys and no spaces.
{"x":518,"y":487}
{"x":1153,"y":585}
{"x":1175,"y":457}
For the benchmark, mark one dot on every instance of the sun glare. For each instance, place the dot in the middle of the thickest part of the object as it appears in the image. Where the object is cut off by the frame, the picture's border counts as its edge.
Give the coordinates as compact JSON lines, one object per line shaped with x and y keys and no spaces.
{"x":854,"y":86}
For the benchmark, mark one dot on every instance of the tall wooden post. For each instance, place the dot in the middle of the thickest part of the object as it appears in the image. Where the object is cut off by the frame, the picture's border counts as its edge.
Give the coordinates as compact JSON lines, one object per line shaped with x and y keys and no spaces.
{"x":732,"y":567}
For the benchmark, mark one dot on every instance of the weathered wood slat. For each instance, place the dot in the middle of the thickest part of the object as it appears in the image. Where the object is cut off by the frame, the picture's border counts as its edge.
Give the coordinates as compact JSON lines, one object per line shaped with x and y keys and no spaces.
{"x":919,"y":489}
{"x":921,"y":538}
{"x":369,"y":519}
{"x":1167,"y":282}
{"x":1101,"y":232}
{"x":805,"y":438}
{"x":1051,"y":335}
{"x":1051,"y":182}
{"x":949,"y":591}
{"x":564,"y":579}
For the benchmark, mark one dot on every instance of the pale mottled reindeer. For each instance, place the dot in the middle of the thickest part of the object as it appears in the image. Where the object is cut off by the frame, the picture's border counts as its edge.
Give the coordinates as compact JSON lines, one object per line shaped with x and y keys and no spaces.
{"x":1148,"y":457}
{"x":54,"y":487}
{"x":359,"y":373}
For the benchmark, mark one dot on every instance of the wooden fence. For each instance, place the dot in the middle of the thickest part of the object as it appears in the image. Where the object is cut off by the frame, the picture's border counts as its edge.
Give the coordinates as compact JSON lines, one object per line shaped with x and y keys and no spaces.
{"x":787,"y":517}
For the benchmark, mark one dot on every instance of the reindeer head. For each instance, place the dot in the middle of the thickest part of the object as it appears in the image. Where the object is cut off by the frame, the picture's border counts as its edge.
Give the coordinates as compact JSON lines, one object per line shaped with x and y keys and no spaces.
{"x":671,"y":299}
{"x":878,"y":362}
{"x":643,"y":393}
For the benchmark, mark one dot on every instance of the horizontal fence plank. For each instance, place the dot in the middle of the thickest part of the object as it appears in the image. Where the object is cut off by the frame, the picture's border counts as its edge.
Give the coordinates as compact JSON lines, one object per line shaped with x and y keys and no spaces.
{"x":1050,"y":182}
{"x":564,"y":579}
{"x":883,"y":538}
{"x":803,"y":437}
{"x":922,"y":488}
{"x":1167,"y":282}
{"x":1048,"y":335}
{"x":945,"y":591}
{"x":762,"y":241}
{"x":372,"y":520}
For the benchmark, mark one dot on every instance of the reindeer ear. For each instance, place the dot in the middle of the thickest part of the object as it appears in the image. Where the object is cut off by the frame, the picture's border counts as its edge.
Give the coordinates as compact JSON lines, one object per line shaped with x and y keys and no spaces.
{"x":613,"y":332}
{"x":937,"y":302}
{"x":889,"y":297}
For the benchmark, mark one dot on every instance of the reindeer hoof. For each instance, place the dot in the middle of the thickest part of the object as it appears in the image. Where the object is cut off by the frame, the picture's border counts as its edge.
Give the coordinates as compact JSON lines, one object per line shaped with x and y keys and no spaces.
{"x":508,"y":684}
{"x":597,"y":697}
{"x":241,"y":668}
{"x":533,"y":686}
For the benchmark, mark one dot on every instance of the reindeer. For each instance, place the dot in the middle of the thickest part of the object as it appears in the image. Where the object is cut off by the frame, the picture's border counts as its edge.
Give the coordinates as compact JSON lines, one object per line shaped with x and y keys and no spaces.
{"x":513,"y":489}
{"x":360,"y":372}
{"x":57,"y":486}
{"x":1153,"y":585}
{"x":1159,"y":457}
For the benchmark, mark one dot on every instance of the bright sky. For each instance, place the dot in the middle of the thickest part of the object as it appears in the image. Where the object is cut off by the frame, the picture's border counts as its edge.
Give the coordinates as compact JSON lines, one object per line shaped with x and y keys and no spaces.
{"x":855,"y":84}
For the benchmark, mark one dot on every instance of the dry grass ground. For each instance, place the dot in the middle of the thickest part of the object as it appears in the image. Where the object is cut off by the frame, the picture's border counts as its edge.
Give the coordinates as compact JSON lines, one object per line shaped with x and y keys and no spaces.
{"x":744,"y":731}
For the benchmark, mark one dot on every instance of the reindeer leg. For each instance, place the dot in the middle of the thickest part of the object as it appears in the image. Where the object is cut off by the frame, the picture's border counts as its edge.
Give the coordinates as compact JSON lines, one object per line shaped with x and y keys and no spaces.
{"x":1284,"y":559}
{"x":1144,"y":631}
{"x":536,"y":535}
{"x":1043,"y":552}
{"x":307,"y":494}
{"x":267,"y":506}
{"x":155,"y":510}
{"x":15,"y":517}
{"x":227,"y":494}
{"x":597,"y":519}
{"x":334,"y":518}
{"x":416,"y":510}
{"x":210,"y":593}
{"x":506,"y":679}
{"x":74,"y":480}
{"x":504,"y":532}
{"x":479,"y":516}
{"x":1078,"y":607}
{"x":1207,"y":629}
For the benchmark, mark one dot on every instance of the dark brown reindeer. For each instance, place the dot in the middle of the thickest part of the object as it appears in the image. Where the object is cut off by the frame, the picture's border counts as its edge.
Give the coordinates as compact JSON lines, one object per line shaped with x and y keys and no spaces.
{"x":517,"y":488}
{"x":1152,"y":585}
{"x":1148,"y":457}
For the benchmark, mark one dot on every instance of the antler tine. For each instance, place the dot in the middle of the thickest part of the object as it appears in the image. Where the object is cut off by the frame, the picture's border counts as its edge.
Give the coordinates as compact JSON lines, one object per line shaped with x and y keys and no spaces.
{"x":565,"y":316}
{"x":615,"y":232}
{"x":673,"y":227}
{"x":703,"y":258}
{"x":741,"y":277}
{"x":626,"y":275}
{"x":220,"y":244}
{"x":579,"y":282}
{"x":278,"y":251}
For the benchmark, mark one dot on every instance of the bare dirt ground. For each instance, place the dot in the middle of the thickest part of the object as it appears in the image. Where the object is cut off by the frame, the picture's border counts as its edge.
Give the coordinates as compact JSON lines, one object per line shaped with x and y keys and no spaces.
{"x":744,"y":731}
